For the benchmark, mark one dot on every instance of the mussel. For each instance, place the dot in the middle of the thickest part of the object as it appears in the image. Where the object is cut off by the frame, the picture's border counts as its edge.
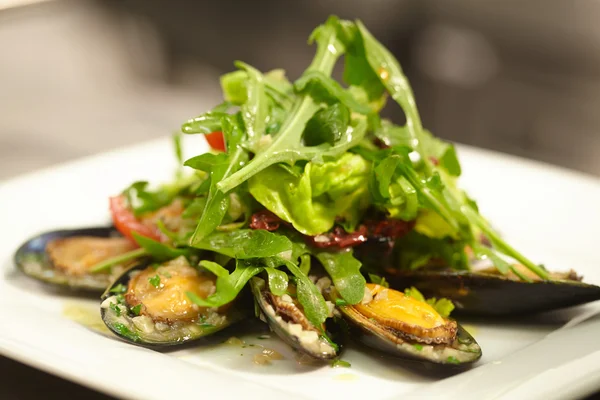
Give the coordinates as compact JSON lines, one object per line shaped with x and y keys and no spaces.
{"x":148,"y":305}
{"x":402,"y":326}
{"x":286,"y":318}
{"x":63,"y":258}
{"x":486,"y":292}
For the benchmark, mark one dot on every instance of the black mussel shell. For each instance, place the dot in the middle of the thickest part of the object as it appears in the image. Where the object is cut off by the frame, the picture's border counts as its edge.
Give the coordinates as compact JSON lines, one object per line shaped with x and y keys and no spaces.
{"x":462,"y":351}
{"x":490,"y":294}
{"x":278,"y":325}
{"x":148,"y":333}
{"x":31,"y":258}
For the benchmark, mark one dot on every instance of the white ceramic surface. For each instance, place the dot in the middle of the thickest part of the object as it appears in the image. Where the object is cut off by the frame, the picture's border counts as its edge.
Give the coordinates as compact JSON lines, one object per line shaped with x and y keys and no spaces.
{"x":550,"y":214}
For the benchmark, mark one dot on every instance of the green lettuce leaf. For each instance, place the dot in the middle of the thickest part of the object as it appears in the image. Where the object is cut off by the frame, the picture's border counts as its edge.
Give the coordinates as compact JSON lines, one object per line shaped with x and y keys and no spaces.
{"x":323,"y":192}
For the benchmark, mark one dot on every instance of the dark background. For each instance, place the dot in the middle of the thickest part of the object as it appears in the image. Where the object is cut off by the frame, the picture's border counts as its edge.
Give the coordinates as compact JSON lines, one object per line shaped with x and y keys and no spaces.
{"x":76,"y":78}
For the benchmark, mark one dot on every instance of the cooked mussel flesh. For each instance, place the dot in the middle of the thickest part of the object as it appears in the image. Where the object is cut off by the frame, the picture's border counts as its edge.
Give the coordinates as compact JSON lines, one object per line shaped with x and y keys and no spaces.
{"x":149,"y":305}
{"x":487,"y":292}
{"x":403,"y":326}
{"x":286,"y":318}
{"x":64,"y":257}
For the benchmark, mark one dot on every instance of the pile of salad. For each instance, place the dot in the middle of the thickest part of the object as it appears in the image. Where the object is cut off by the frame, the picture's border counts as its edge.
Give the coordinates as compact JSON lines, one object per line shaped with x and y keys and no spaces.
{"x":307,"y":208}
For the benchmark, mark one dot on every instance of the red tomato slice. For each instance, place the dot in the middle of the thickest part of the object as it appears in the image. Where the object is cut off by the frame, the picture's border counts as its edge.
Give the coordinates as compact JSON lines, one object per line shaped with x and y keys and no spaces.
{"x":126,"y":222}
{"x":216,"y":141}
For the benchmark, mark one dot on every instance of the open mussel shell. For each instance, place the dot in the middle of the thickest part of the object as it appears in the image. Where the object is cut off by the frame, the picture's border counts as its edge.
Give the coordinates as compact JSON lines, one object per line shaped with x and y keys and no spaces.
{"x":148,"y":305}
{"x":36,"y":258}
{"x":287,"y":320}
{"x":491,"y":294}
{"x":423,"y":335}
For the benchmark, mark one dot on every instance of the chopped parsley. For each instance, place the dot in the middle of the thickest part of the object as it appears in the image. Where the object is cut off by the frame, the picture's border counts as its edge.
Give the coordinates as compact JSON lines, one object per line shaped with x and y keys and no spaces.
{"x":116,"y":309}
{"x":120,"y":288}
{"x":418,"y":347}
{"x":136,"y":309}
{"x":126,"y":332}
{"x":452,"y":360}
{"x":154,"y":281}
{"x":203,"y":324}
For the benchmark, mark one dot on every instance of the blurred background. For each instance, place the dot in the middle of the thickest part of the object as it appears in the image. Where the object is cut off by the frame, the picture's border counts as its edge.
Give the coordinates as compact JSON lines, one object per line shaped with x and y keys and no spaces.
{"x":80,"y":77}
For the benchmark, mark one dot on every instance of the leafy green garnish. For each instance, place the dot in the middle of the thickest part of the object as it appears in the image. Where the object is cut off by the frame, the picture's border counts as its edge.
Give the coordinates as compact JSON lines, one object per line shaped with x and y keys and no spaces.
{"x":154,"y":280}
{"x":313,"y":200}
{"x":344,"y":269}
{"x":126,"y":332}
{"x":378,"y":280}
{"x":418,"y":347}
{"x":120,"y":288}
{"x":120,"y":259}
{"x":452,"y":360}
{"x":136,"y":309}
{"x":228,"y":285}
{"x":287,"y":145}
{"x":278,"y":281}
{"x":246,"y":243}
{"x":160,"y":251}
{"x":337,"y":363}
{"x":443,"y":306}
{"x":340,"y":302}
{"x":115,"y":308}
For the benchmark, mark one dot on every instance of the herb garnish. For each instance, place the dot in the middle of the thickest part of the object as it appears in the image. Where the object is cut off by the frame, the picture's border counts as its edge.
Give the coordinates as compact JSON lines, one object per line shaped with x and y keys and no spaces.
{"x":154,"y":281}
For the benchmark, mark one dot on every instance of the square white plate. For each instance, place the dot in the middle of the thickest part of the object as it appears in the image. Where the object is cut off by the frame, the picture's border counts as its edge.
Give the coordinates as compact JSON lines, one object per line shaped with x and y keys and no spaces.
{"x":550,"y":214}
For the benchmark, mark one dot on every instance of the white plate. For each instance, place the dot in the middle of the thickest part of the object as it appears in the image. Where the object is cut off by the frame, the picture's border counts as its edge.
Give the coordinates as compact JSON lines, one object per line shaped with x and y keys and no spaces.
{"x":550,"y":214}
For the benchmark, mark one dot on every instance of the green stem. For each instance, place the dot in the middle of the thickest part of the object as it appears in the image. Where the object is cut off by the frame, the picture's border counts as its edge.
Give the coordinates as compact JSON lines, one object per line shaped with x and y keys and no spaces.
{"x":502,"y":245}
{"x":107,"y":264}
{"x":328,"y":52}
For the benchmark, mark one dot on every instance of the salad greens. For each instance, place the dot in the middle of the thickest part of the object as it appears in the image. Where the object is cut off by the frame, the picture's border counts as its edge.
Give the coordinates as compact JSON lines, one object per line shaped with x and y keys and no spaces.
{"x":316,"y":154}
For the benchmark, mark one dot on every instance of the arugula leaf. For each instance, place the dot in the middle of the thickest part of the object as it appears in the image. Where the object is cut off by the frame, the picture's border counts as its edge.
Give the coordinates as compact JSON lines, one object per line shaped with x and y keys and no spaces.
{"x":215,"y":268}
{"x":255,"y":108}
{"x":414,"y":251}
{"x":328,"y":90}
{"x":217,"y":202}
{"x":246,"y":243}
{"x":482,"y":252}
{"x":444,"y":153}
{"x":116,"y":260}
{"x":286,"y":146}
{"x":204,"y":124}
{"x":327,"y":125}
{"x":388,"y":70}
{"x":309,"y":296}
{"x":278,"y":281}
{"x":228,"y":286}
{"x":344,"y":271}
{"x":159,"y":251}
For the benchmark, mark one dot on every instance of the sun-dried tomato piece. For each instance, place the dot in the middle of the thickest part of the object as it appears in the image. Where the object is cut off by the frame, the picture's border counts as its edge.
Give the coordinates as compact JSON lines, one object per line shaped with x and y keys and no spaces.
{"x":389,"y":228}
{"x":265,"y":219}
